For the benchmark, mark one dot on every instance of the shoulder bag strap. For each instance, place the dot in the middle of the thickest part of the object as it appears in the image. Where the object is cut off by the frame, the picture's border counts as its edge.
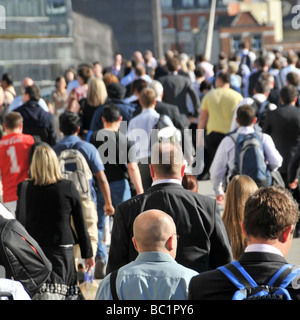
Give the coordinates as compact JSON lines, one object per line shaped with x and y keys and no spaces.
{"x":113,"y":284}
{"x":22,"y":211}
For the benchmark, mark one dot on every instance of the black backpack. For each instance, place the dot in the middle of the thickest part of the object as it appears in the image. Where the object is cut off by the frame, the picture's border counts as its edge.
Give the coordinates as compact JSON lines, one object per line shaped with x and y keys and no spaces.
{"x":248,"y":289}
{"x":22,"y":257}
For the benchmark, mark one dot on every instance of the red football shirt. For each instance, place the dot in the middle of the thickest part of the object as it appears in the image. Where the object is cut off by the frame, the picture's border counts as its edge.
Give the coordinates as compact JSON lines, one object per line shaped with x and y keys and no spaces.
{"x":14,"y":162}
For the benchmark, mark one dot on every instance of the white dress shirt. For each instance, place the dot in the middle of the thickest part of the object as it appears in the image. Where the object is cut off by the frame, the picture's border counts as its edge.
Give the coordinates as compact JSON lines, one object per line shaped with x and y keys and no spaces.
{"x":262,"y":247}
{"x":225,"y":157}
{"x":139,"y":130}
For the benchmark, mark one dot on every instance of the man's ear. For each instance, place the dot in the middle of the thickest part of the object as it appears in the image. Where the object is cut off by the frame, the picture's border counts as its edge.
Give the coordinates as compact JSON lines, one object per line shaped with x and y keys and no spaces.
{"x":243,"y":229}
{"x":134,"y":244}
{"x":170,"y":245}
{"x":183,"y":170}
{"x":151,"y":170}
{"x":286,"y":234}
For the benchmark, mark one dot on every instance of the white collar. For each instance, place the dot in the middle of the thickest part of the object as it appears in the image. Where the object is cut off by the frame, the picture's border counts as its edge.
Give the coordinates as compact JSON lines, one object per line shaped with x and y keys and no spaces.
{"x":261,"y":247}
{"x":166,"y":181}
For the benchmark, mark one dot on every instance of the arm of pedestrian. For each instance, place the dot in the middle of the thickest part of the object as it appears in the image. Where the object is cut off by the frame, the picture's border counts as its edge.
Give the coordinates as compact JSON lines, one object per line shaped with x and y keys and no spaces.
{"x":294,"y":184}
{"x":220,"y":199}
{"x":105,"y":190}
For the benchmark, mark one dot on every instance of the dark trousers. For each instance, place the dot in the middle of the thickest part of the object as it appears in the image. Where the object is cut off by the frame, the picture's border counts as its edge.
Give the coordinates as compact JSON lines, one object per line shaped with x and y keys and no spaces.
{"x":212,"y":142}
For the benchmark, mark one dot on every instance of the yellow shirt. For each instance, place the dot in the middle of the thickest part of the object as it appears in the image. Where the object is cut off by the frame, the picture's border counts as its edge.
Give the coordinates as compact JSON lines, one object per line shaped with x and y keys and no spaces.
{"x":220,"y":104}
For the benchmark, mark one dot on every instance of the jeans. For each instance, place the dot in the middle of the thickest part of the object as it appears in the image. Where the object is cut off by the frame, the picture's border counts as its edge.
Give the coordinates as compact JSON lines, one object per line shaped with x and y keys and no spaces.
{"x":120,"y":192}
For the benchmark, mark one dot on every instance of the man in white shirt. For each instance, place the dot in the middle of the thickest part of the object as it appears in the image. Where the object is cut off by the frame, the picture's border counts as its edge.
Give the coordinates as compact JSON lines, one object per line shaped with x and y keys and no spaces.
{"x":224,"y":161}
{"x":140,"y":128}
{"x":270,"y":216}
{"x":291,"y":67}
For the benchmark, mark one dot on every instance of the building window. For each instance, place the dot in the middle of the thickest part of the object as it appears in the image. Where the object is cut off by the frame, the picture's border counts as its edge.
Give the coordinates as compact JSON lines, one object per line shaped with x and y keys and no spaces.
{"x":201,"y":22}
{"x":187,"y":3}
{"x":235,"y":43}
{"x":203,"y":3}
{"x":166,"y":3}
{"x":186,"y":23}
{"x":256,"y":42}
{"x":56,"y":6}
{"x":165,"y":22}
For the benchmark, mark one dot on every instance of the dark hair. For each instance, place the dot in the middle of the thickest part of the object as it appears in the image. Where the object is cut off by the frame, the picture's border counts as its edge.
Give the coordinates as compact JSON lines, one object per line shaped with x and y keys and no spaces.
{"x":58,"y":79}
{"x":205,"y":85}
{"x":172,"y":64}
{"x":111,"y":113}
{"x":269,"y":211}
{"x":262,"y":86}
{"x":261,"y":62}
{"x":293,"y":78}
{"x":245,"y":115}
{"x":85,"y":71}
{"x":33,"y":92}
{"x":224,"y":77}
{"x":199,"y":72}
{"x":12,"y":120}
{"x":190,"y":182}
{"x":7,"y":77}
{"x":288,"y":93}
{"x":69,"y":122}
{"x":138,"y":85}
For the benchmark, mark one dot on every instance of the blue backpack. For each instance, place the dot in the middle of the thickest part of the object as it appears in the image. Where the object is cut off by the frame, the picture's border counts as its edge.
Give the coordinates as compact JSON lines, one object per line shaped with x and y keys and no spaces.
{"x":250,"y":158}
{"x":248,"y":289}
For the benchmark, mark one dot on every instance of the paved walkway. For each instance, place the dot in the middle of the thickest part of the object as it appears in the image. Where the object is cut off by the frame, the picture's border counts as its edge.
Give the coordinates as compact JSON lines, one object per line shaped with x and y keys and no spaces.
{"x":293,"y":257}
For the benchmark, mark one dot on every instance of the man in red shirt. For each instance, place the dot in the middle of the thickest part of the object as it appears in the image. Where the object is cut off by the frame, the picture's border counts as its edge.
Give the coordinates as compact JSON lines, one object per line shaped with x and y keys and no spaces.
{"x":14,"y":158}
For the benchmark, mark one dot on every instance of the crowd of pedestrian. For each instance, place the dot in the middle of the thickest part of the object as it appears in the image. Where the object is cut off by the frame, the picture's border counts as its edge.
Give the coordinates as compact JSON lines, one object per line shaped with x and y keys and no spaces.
{"x":102,"y":171}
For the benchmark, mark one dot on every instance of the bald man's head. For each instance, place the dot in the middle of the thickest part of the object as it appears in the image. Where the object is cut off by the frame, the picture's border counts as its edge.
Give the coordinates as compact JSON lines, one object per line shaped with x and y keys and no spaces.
{"x":152,"y":231}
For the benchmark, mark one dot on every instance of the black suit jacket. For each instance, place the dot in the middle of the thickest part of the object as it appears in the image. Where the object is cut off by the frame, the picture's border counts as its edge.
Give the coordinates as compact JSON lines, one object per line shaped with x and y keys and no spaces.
{"x":214,"y":285}
{"x":203,"y":242}
{"x":283,"y":125}
{"x":176,"y":88}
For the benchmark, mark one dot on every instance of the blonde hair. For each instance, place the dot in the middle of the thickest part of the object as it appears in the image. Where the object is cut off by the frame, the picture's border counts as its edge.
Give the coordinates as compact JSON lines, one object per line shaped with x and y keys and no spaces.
{"x":238,"y":191}
{"x":44,"y":167}
{"x":96,"y":93}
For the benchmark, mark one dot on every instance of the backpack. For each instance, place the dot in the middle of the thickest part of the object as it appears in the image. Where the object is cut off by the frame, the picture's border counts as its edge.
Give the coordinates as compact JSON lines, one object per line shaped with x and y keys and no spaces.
{"x":74,"y":167}
{"x":248,"y":289}
{"x":162,"y":131}
{"x":250,"y":159}
{"x":247,"y":61}
{"x":22,"y":257}
{"x":261,"y":109}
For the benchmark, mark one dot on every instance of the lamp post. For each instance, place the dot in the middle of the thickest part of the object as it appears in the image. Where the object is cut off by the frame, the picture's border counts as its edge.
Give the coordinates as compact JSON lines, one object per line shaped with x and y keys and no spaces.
{"x":210,"y":30}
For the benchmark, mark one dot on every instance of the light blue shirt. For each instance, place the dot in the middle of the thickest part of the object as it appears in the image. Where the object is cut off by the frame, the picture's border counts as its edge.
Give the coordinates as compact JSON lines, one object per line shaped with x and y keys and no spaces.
{"x":88,"y":150}
{"x":17,"y":102}
{"x":139,"y":130}
{"x":152,"y":276}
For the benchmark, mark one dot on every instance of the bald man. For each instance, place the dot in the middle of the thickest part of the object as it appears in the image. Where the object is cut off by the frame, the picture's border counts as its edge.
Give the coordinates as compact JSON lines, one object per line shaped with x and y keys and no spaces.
{"x":154,"y":275}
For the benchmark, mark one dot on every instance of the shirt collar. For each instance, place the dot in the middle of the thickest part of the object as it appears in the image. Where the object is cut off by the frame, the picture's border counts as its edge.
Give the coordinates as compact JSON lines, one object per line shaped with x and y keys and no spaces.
{"x":154,"y":183}
{"x":261,"y":247}
{"x":154,"y":256}
{"x":245,"y":130}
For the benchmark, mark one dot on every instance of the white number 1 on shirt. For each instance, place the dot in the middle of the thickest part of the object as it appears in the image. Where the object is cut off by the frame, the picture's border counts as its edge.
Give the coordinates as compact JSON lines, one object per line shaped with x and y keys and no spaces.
{"x":11,"y":152}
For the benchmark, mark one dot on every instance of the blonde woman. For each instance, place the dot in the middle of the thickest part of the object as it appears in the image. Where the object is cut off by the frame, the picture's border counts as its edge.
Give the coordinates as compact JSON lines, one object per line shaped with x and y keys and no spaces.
{"x":51,"y":201}
{"x":238,"y":191}
{"x":96,"y":96}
